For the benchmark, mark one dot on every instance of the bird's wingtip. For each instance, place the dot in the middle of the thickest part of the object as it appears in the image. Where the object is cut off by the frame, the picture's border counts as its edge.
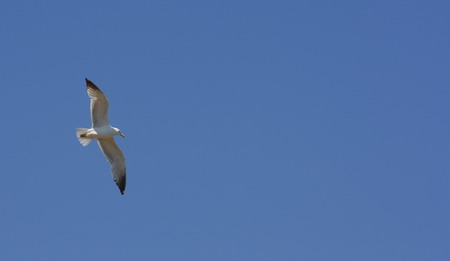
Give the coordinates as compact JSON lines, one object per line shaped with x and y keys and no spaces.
{"x":121,"y":183}
{"x":90,"y":84}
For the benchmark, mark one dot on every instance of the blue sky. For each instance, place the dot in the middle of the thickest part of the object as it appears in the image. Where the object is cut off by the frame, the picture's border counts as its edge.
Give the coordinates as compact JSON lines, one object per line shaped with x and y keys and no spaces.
{"x":256,"y":130}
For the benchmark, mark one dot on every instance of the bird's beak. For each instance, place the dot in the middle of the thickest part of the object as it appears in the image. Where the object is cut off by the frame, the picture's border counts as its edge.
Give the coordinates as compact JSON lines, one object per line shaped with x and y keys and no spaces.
{"x":123,"y":136}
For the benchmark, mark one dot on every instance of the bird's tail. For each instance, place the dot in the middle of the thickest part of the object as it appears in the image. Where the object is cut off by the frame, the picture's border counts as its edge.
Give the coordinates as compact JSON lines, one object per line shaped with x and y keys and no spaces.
{"x":83,"y":140}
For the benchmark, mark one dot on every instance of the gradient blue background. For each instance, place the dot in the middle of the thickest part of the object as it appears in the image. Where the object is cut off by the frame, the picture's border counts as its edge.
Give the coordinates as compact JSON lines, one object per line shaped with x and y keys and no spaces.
{"x":256,"y":130}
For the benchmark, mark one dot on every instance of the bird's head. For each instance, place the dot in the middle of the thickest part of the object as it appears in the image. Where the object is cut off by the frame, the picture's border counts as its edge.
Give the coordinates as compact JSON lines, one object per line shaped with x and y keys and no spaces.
{"x":118,"y":132}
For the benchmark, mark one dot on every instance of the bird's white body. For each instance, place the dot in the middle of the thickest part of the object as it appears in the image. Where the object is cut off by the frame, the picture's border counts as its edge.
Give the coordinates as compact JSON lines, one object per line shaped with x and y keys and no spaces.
{"x":104,"y":133}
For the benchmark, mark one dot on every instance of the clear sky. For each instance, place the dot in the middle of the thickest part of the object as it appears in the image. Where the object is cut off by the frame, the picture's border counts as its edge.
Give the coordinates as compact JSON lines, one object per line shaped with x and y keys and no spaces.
{"x":256,"y":130}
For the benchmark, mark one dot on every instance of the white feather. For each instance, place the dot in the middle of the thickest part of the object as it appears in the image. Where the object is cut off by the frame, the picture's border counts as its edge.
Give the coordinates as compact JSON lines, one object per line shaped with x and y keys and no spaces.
{"x":83,"y":141}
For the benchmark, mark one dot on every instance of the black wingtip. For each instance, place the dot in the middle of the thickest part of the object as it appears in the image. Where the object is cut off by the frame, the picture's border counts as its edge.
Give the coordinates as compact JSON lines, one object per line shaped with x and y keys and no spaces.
{"x":90,"y":84}
{"x":121,"y":184}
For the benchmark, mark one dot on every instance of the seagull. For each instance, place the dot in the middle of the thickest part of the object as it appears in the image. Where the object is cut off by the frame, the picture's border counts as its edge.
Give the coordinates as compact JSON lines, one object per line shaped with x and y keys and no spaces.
{"x":104,"y":133}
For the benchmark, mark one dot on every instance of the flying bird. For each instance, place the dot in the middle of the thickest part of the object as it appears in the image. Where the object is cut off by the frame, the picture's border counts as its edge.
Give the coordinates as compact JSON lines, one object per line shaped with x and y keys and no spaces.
{"x":104,"y":133}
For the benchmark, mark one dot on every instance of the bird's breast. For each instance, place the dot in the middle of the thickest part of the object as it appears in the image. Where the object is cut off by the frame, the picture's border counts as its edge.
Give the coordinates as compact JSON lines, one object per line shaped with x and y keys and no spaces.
{"x":104,"y":131}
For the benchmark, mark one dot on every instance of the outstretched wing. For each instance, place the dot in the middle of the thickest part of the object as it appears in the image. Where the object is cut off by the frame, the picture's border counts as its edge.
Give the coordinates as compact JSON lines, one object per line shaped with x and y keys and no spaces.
{"x":114,"y":156}
{"x":99,"y":105}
